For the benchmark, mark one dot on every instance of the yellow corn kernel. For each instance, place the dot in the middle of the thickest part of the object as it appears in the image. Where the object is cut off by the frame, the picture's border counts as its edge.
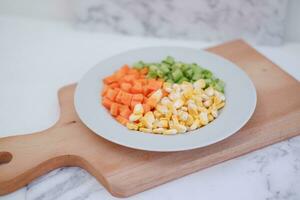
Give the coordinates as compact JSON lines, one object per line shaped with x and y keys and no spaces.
{"x":184,"y":108}
{"x":214,"y":113}
{"x":162,"y":109}
{"x":221,"y":105}
{"x":140,"y":124}
{"x":216,"y":100}
{"x":134,"y":117}
{"x":165,"y":101}
{"x":180,"y":128}
{"x":203,"y":118}
{"x":178,"y":103}
{"x":158,"y":130}
{"x":183,"y":116}
{"x":199,"y":84}
{"x":207,"y":103}
{"x":192,"y":109}
{"x":210,"y":118}
{"x":138,"y":109}
{"x":202,"y":109}
{"x":164,"y":123}
{"x":189,"y":121}
{"x":155,"y":124}
{"x":168,"y":116}
{"x":175,"y":119}
{"x":170,"y":132}
{"x":188,"y":93}
{"x":148,"y":119}
{"x":194,"y":125}
{"x":167,"y":87}
{"x":157,"y":114}
{"x":209,"y":91}
{"x":132,"y":126}
{"x":145,"y":130}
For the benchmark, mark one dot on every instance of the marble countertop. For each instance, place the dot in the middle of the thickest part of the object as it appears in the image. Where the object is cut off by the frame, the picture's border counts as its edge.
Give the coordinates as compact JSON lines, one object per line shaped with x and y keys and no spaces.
{"x":37,"y":58}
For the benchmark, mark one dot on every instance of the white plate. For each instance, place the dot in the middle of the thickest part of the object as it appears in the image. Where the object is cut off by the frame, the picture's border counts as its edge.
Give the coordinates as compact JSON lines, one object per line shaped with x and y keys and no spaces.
{"x":239,"y":91}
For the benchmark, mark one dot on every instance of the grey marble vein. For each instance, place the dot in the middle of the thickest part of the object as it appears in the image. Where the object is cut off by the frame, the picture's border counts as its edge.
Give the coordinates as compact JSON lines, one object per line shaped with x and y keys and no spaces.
{"x":261,"y":21}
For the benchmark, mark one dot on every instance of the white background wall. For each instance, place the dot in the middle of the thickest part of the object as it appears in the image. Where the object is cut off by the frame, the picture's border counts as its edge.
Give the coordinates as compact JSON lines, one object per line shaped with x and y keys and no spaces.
{"x":64,"y":10}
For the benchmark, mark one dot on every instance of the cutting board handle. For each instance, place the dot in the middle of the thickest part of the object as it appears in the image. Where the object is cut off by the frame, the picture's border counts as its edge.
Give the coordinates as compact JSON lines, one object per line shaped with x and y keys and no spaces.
{"x":25,"y":157}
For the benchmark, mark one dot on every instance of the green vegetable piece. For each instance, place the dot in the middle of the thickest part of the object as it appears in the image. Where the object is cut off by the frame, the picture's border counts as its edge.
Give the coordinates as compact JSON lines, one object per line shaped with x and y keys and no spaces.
{"x":139,"y":65}
{"x":160,"y":73}
{"x":169,"y":60}
{"x":152,"y":74}
{"x":182,"y":79}
{"x":188,"y":73}
{"x":170,"y":81}
{"x":197,"y":75}
{"x":153,"y":67}
{"x":207,"y":74}
{"x":164,"y":68}
{"x":177,"y":74}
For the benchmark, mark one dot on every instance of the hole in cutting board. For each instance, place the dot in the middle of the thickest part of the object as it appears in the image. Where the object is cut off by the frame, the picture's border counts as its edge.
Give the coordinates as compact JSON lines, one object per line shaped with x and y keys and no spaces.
{"x":5,"y":157}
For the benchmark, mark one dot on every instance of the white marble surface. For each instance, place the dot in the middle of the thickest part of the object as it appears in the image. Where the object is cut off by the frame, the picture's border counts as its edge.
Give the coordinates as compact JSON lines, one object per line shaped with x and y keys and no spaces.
{"x":254,"y":20}
{"x":36,"y":58}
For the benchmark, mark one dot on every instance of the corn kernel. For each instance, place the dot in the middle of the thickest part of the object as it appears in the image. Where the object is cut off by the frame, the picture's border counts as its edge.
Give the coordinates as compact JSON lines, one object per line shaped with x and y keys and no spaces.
{"x":158,"y":130}
{"x":145,"y":130}
{"x":209,"y":91}
{"x":203,"y":118}
{"x":199,"y":84}
{"x":207,"y":103}
{"x":210,"y":118}
{"x":170,"y":132}
{"x":134,"y":117}
{"x":221,"y":105}
{"x":180,"y":128}
{"x":132,"y":126}
{"x":214,"y":113}
{"x":164,"y":123}
{"x":157,"y":114}
{"x":138,"y":109}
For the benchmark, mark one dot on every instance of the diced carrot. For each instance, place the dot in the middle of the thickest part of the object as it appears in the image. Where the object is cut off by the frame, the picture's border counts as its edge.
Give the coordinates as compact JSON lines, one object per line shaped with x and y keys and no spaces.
{"x":133,"y":71}
{"x":151,"y":102}
{"x":144,"y":71}
{"x":146,"y":90}
{"x":115,"y":85}
{"x":119,"y":96}
{"x":146,"y":107}
{"x":129,"y":78}
{"x":126,"y":98}
{"x":110,"y":79}
{"x":106,"y":102}
{"x":145,"y":99}
{"x":125,"y":112}
{"x":105,"y":88}
{"x":137,"y":87}
{"x":149,"y":94}
{"x":165,"y":93}
{"x":124,"y":69}
{"x":126,"y":86}
{"x":154,"y":84}
{"x":114,"y":109}
{"x":137,"y":97}
{"x":111,"y":94}
{"x":143,"y":81}
{"x":122,"y":120}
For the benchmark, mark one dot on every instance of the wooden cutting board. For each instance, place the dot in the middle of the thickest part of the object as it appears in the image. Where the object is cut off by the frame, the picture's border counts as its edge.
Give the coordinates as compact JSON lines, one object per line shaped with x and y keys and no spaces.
{"x":124,"y":171}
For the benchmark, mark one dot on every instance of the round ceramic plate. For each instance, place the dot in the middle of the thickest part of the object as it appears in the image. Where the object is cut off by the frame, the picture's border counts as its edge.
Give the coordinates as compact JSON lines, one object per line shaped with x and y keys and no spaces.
{"x":239,"y":92}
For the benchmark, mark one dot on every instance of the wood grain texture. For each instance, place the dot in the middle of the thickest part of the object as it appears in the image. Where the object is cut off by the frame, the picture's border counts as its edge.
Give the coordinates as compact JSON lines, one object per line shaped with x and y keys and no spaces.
{"x":124,"y":171}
